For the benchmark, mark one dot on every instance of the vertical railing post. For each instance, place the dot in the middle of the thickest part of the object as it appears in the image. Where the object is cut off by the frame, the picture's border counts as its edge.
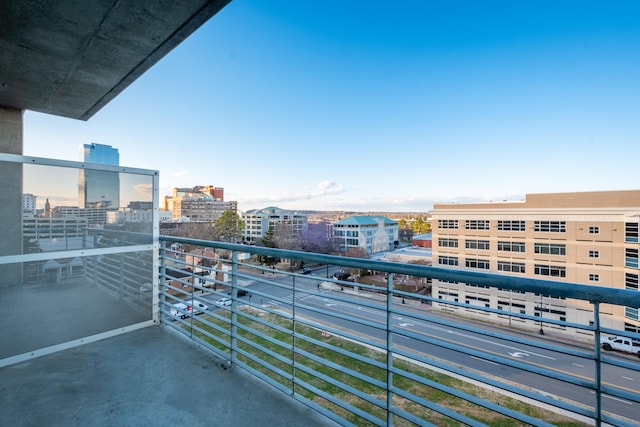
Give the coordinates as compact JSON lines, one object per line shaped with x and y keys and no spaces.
{"x":596,"y":322}
{"x":162,"y":283}
{"x":293,"y":338}
{"x":388,"y":349}
{"x":234,"y":305}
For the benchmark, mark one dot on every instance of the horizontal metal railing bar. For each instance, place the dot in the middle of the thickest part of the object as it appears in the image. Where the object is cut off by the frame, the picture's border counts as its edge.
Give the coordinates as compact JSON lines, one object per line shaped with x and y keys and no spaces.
{"x":263,"y":363}
{"x":437,"y":408}
{"x":344,"y":405}
{"x":470,"y":375}
{"x":263,"y":322}
{"x":613,"y":332}
{"x":264,"y":377}
{"x":618,"y":422}
{"x":498,"y":359}
{"x":620,"y":392}
{"x":341,"y":351}
{"x":504,"y":336}
{"x":546,"y":287}
{"x":286,"y":360}
{"x":464,"y":396}
{"x":355,"y":374}
{"x":410,"y":417}
{"x":634,"y":366}
{"x":321,"y":409}
{"x":372,"y":343}
{"x":342,"y":386}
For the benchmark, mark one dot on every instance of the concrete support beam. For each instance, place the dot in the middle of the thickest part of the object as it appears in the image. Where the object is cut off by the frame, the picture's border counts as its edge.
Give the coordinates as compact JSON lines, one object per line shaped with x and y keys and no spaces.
{"x":11,"y":134}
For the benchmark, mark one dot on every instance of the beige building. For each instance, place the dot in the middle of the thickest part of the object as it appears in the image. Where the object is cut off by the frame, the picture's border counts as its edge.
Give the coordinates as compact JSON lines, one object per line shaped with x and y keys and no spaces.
{"x":198,"y":204}
{"x":587,"y":238}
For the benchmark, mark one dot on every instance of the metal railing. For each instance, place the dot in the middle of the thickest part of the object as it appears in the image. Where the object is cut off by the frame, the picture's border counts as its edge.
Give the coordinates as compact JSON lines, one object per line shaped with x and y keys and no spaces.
{"x":371,"y":353}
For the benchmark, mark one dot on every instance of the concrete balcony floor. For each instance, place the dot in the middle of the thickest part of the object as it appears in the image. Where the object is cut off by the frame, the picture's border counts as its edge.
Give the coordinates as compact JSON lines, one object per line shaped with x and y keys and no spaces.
{"x":148,"y":377}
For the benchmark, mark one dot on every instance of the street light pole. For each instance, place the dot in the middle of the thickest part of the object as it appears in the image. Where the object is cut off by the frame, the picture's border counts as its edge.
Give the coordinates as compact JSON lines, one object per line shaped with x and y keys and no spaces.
{"x":540,"y":309}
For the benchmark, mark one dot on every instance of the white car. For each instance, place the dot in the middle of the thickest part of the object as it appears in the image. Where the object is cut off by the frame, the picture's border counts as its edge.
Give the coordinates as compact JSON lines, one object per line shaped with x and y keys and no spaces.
{"x":222,"y":302}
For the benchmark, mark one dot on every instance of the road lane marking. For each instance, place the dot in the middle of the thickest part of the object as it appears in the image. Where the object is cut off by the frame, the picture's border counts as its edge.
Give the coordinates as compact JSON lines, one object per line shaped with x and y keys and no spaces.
{"x":484,"y":360}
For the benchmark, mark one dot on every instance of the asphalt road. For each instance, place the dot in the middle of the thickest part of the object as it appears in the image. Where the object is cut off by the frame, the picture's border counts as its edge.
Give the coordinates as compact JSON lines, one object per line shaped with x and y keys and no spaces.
{"x":362,"y":316}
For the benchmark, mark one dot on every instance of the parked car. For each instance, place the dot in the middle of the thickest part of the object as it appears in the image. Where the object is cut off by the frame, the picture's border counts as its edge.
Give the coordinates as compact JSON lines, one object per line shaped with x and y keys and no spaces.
{"x":241,"y":292}
{"x":180,"y":310}
{"x":223,"y":302}
{"x":197,"y":306}
{"x":342,"y":275}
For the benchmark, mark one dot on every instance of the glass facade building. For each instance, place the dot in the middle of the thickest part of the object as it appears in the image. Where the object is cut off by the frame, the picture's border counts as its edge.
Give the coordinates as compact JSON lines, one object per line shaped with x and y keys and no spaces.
{"x":97,"y":188}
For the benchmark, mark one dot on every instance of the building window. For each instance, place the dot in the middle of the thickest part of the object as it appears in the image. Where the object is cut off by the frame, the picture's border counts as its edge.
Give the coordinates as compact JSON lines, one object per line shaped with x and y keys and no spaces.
{"x":550,"y":248}
{"x":550,"y":226}
{"x":511,"y":225}
{"x":448,"y":223}
{"x":477,"y":263}
{"x":476,"y":224}
{"x":448,"y":243}
{"x":477,"y":244}
{"x":631,"y":232}
{"x":631,"y":281}
{"x":550,"y":270}
{"x":631,"y":258}
{"x":511,"y":246}
{"x":511,"y":267}
{"x":447,"y":260}
{"x":594,"y":277}
{"x":594,"y":254}
{"x":594,"y":230}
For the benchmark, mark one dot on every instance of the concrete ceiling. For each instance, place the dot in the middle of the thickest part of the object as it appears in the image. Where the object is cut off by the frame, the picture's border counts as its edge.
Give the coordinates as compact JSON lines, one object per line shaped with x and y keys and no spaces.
{"x":70,"y":58}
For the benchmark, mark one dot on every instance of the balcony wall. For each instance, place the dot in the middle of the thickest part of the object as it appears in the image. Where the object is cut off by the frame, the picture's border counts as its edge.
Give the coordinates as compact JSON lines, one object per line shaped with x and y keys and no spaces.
{"x":71,"y":278}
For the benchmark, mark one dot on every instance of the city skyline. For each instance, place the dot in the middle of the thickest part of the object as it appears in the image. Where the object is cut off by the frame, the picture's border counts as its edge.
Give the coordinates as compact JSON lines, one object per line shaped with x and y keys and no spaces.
{"x":337,"y":106}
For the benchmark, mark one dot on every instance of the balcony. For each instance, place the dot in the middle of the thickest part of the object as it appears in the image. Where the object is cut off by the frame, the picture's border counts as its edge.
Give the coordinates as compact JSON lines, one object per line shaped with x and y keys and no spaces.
{"x":94,"y":333}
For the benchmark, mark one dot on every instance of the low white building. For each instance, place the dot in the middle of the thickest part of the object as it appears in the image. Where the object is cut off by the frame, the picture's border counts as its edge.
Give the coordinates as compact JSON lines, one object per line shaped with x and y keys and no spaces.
{"x":371,"y":233}
{"x":258,"y":221}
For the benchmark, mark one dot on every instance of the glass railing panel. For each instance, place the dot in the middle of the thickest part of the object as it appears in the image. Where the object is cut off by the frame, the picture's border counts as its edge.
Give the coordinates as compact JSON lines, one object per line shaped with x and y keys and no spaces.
{"x":65,"y":299}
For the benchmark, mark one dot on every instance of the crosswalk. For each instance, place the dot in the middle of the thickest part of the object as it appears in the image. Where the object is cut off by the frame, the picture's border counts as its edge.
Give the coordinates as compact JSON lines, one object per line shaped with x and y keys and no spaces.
{"x":290,"y":298}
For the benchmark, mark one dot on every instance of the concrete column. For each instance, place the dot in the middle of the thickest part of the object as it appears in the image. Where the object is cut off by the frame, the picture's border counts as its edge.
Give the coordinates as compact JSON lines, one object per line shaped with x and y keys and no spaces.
{"x":11,"y":136}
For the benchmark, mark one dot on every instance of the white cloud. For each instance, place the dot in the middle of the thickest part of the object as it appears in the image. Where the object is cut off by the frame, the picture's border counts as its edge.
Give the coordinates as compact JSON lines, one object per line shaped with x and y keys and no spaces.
{"x":323,"y":188}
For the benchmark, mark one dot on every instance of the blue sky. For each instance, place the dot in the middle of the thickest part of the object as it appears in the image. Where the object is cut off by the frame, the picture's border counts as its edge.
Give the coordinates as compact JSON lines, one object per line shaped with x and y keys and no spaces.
{"x":382,"y":106}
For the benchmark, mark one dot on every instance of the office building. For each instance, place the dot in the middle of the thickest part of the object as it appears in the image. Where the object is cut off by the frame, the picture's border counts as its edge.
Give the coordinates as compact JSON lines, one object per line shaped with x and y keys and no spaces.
{"x":372,"y":233}
{"x":258,"y":221}
{"x":97,"y":188}
{"x":198,"y":204}
{"x":588,"y":238}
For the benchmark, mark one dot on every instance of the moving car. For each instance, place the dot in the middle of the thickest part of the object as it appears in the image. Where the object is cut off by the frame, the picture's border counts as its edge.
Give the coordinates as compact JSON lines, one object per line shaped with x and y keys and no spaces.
{"x":305,"y":270}
{"x":623,"y":344}
{"x":223,"y":302}
{"x":342,"y":275}
{"x":241,"y":292}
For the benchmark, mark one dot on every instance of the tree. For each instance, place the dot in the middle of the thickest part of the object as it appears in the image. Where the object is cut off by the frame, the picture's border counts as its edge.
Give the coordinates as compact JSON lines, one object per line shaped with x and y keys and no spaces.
{"x":285,"y":237}
{"x":267,"y":242}
{"x":317,"y":238}
{"x":421,"y":226}
{"x":196,"y":230}
{"x":229,"y":227}
{"x":356,"y":253}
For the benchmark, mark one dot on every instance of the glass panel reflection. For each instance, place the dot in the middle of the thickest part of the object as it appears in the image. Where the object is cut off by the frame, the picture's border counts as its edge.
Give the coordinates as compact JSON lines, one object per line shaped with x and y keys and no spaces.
{"x":57,"y":216}
{"x":65,"y":299}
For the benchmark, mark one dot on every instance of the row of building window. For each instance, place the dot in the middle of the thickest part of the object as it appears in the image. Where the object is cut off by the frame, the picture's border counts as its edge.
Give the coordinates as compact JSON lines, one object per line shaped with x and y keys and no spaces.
{"x":521,"y":308}
{"x":514,"y":267}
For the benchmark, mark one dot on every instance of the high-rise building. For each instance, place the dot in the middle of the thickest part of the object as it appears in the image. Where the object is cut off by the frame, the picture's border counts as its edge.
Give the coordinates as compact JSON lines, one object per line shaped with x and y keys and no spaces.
{"x":99,"y":189}
{"x":589,"y":238}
